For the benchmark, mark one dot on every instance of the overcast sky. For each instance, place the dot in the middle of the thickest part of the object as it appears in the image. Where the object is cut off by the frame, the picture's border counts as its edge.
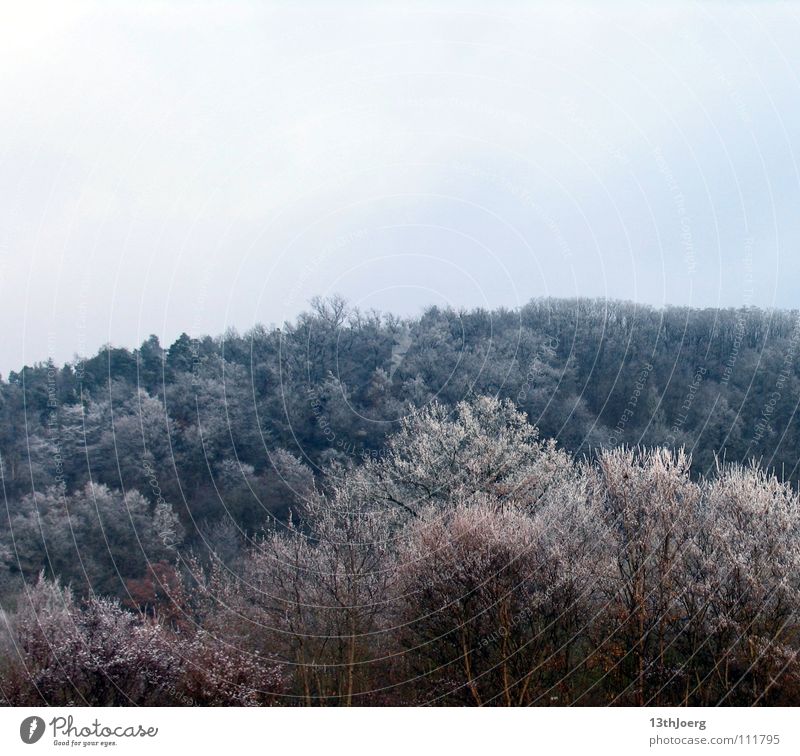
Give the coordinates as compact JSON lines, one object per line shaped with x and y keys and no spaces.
{"x":169,"y":167}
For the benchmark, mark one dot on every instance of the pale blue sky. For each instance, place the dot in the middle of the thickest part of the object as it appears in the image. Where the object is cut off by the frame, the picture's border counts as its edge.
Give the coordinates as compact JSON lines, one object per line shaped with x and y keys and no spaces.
{"x":169,"y":167}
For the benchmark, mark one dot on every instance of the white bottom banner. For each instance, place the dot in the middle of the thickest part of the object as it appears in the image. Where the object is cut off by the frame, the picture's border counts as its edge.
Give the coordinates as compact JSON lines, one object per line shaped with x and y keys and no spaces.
{"x":415,"y":731}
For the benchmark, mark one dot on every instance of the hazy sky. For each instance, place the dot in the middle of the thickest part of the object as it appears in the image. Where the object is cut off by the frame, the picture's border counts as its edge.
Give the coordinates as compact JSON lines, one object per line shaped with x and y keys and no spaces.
{"x":169,"y":167}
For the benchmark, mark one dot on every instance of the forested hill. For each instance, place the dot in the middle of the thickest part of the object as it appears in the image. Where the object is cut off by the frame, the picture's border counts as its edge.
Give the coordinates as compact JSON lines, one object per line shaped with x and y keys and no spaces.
{"x":225,"y":431}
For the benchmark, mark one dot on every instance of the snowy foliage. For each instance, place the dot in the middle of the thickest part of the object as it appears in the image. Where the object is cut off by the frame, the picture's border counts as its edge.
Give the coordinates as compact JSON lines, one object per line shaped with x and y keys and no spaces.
{"x":484,"y":445}
{"x":473,"y":563}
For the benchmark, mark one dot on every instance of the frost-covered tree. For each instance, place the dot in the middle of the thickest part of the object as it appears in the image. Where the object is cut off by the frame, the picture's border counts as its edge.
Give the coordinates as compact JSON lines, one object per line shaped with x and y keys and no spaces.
{"x":647,"y":505}
{"x":62,"y":653}
{"x":94,"y":538}
{"x":488,"y":599}
{"x":441,"y":455}
{"x":323,"y":588}
{"x":748,"y":575}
